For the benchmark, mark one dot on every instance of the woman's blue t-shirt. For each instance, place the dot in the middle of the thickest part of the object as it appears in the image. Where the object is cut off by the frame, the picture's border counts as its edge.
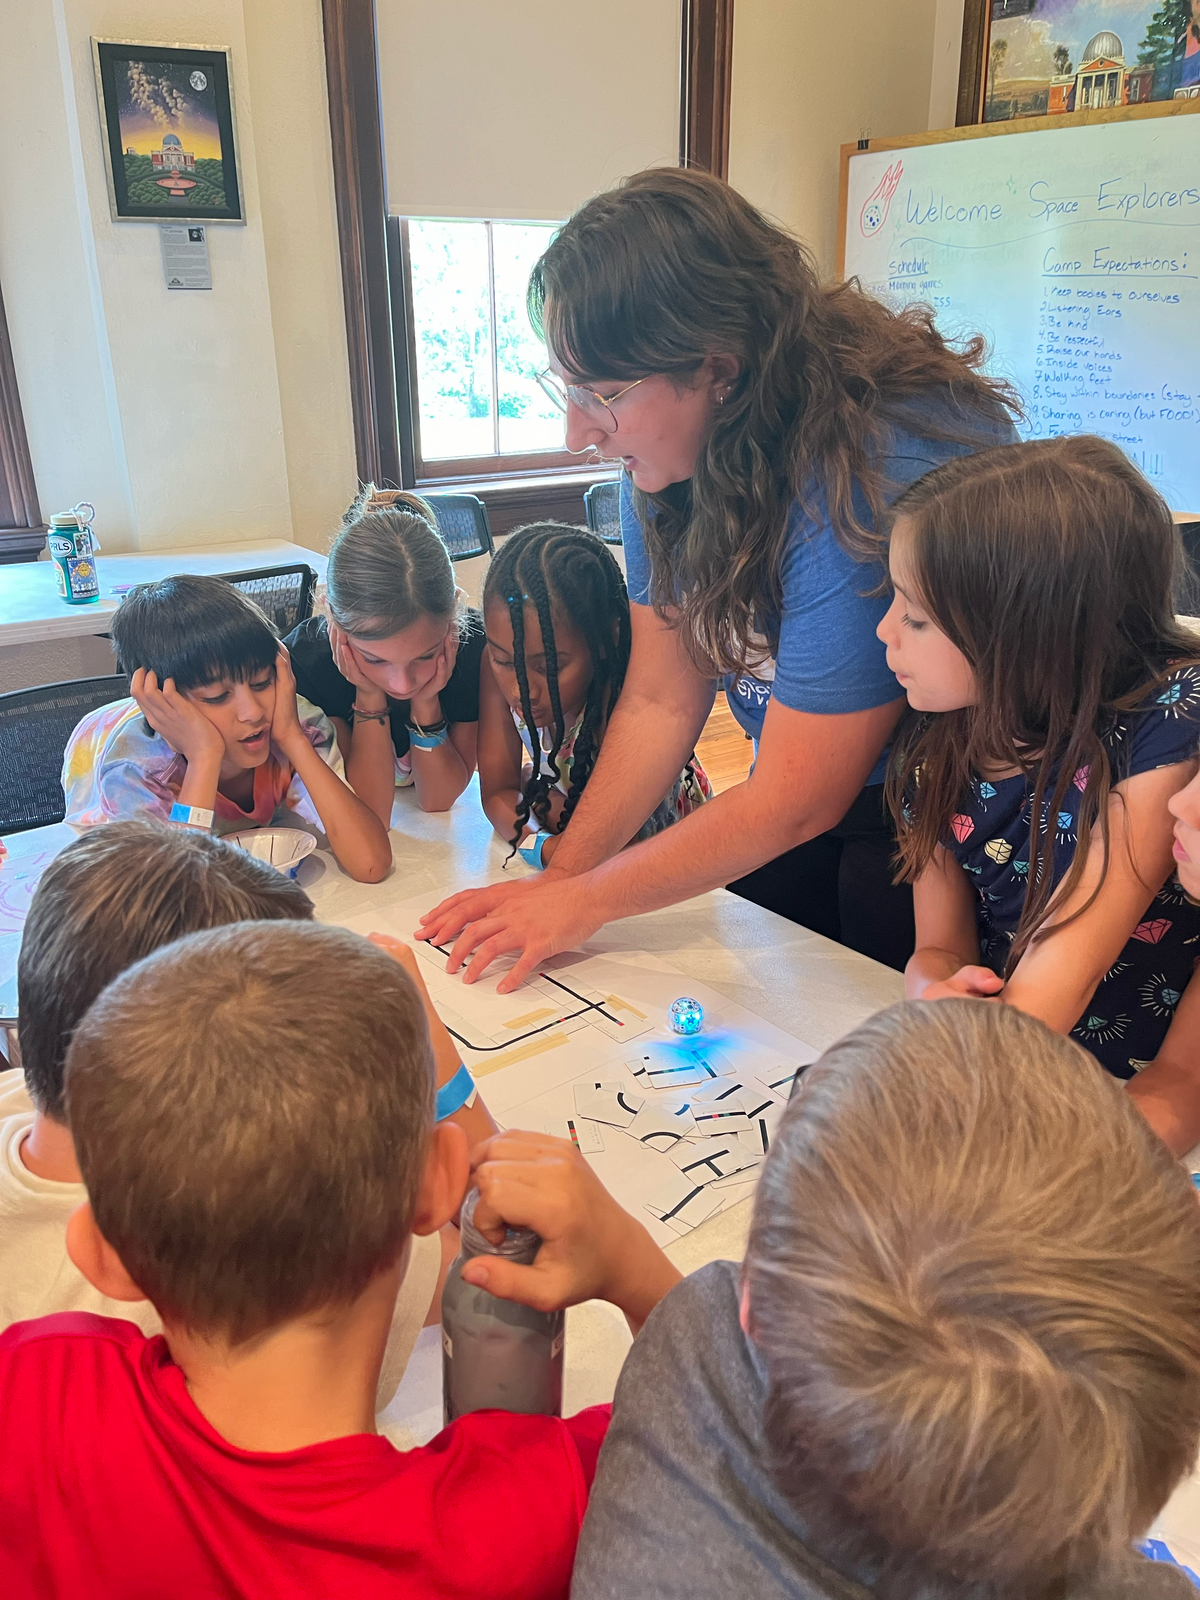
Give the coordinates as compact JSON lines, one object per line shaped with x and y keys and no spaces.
{"x":829,"y":659}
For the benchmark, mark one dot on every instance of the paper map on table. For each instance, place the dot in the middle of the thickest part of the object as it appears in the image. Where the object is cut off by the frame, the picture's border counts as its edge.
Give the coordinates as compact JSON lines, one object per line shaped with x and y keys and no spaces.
{"x":675,"y":1127}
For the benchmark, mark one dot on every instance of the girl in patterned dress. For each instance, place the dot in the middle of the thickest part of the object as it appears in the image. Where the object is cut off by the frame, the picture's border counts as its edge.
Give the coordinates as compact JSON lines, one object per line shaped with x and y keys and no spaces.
{"x":213,"y":734}
{"x":1054,"y":710}
{"x":556,"y":614}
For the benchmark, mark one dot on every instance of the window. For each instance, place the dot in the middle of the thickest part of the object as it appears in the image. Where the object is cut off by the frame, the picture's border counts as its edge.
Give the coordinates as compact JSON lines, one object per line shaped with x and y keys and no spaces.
{"x":476,"y":404}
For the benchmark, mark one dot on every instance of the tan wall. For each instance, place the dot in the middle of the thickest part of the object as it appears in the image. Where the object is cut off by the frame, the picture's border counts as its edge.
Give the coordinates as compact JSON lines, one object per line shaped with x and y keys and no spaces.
{"x":809,"y":76}
{"x":525,"y":108}
{"x":187,"y":418}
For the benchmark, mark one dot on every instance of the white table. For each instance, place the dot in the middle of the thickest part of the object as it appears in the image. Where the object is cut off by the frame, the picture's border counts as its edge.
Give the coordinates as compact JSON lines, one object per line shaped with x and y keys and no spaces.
{"x":803,"y":983}
{"x":31,"y":608}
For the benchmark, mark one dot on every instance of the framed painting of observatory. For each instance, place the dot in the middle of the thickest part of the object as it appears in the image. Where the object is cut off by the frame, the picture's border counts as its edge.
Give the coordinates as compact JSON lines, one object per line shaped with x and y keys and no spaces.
{"x":169,"y":132}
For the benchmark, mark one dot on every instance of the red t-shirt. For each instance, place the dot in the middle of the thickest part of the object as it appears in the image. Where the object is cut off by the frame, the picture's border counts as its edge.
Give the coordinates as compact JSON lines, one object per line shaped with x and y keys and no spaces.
{"x":113,"y":1484}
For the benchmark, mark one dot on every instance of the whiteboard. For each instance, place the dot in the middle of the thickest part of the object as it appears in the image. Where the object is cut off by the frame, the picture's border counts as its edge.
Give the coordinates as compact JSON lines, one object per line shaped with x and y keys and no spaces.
{"x":1076,"y":252}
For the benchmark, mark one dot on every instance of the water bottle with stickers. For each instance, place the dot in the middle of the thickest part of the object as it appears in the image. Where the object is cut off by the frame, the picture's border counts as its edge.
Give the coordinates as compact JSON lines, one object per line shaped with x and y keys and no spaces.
{"x":73,"y":546}
{"x":496,"y":1354}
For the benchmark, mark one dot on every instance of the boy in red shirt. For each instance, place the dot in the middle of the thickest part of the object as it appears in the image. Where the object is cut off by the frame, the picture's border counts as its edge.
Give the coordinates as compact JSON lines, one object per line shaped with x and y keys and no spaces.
{"x":252,"y":1111}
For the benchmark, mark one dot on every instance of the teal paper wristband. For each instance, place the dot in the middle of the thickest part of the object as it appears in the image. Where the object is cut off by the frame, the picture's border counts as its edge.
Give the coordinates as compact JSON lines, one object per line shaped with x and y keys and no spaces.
{"x":454,"y":1094}
{"x":191,"y":816}
{"x":531,"y":850}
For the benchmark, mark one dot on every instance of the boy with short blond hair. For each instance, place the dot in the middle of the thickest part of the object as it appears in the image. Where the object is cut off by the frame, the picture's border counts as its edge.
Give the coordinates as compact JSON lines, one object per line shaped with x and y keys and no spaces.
{"x":962,"y":1358}
{"x":253,"y":1114}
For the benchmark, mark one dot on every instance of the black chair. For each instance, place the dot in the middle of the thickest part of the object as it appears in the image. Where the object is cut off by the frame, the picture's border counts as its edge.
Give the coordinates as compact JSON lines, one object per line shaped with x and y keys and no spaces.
{"x":35,"y":725}
{"x":602,"y":507}
{"x":463,"y":523}
{"x":285,"y":594}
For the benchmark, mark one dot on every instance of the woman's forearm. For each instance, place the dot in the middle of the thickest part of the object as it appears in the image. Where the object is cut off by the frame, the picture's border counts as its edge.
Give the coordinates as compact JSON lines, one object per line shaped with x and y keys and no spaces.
{"x":645,"y":748}
{"x":726,"y":838}
{"x":809,"y":770}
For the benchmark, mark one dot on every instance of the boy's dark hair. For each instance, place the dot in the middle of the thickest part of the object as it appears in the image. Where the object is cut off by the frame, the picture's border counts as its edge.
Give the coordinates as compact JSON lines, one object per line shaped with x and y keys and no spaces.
{"x":554,"y":567}
{"x":194,"y":630}
{"x":109,"y":899}
{"x":974,"y":1280}
{"x":252,"y":1140}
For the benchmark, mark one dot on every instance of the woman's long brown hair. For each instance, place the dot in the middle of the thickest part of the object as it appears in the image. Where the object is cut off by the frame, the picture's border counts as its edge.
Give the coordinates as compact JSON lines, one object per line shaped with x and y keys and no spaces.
{"x":1050,"y":566}
{"x":674,"y":266}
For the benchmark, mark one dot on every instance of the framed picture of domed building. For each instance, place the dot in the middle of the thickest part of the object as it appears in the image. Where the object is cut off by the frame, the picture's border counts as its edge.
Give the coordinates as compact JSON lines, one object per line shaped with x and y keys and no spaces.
{"x":169,"y":132}
{"x":1037,"y":58}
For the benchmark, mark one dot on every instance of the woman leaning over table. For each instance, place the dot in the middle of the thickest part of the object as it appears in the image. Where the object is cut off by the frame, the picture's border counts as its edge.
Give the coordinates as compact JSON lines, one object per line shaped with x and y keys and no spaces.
{"x":764,"y":422}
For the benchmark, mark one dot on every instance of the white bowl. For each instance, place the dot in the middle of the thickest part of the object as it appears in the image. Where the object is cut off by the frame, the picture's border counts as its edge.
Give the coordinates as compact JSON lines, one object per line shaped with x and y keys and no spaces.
{"x":284,"y":848}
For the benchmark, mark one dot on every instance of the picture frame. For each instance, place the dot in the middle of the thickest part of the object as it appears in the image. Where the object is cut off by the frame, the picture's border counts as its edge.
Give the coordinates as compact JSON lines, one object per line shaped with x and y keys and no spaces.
{"x":1036,"y":58}
{"x":169,"y":131}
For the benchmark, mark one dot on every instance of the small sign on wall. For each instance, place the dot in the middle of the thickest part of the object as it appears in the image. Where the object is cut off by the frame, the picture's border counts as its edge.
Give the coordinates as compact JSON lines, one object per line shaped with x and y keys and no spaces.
{"x":185,"y":255}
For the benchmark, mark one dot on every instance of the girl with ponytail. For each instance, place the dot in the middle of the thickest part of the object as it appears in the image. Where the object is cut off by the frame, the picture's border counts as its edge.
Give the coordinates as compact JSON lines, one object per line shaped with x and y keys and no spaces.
{"x":395,"y":663}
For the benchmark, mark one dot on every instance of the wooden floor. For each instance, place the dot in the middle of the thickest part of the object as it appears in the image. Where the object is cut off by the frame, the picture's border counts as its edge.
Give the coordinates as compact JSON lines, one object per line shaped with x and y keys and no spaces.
{"x":724,"y":750}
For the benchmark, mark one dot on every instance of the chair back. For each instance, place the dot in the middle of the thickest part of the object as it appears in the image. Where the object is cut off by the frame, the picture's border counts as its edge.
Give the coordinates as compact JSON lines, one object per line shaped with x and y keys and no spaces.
{"x":35,"y":725}
{"x":462,"y":521}
{"x":602,"y":507}
{"x":285,"y":594}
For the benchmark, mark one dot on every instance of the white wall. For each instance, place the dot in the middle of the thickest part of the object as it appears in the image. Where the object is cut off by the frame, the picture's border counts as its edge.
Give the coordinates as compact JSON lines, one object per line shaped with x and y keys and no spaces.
{"x":947,"y":55}
{"x":524,"y":108}
{"x":166,"y":409}
{"x":810,"y":76}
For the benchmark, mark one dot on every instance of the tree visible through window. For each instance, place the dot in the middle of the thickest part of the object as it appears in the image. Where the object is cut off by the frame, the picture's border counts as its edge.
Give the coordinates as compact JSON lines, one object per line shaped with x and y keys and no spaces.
{"x":477,"y":358}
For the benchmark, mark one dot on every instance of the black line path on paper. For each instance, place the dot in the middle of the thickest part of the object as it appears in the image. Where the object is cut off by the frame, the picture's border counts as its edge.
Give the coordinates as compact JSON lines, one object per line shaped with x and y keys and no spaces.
{"x":507,"y":1044}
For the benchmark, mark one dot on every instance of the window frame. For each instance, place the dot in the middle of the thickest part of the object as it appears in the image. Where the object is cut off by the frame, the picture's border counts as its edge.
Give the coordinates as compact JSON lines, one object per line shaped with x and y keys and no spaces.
{"x":22,"y":531}
{"x":438,"y":470}
{"x":377,"y":320}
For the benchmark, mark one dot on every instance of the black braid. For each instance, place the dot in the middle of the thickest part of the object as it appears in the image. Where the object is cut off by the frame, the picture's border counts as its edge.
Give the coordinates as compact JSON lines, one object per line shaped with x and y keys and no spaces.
{"x":551,"y":564}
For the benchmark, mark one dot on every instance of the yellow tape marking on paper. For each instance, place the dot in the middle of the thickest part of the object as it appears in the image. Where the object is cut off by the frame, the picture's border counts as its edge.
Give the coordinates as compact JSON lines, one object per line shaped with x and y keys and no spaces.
{"x":531,"y":1017}
{"x":624,"y":1005}
{"x":520,"y":1052}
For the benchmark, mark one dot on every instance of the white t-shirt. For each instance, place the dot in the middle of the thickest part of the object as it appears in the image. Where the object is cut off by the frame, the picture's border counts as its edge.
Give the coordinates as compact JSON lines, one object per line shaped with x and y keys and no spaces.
{"x":37,"y":1277}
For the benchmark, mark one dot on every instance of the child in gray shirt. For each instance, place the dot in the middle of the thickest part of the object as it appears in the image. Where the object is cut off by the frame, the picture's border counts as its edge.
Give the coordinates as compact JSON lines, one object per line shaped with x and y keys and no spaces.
{"x":961,"y":1361}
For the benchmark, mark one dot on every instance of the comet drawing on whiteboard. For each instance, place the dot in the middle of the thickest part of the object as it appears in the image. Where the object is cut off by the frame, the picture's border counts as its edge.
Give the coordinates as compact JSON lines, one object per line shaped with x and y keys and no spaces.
{"x":879,"y":202}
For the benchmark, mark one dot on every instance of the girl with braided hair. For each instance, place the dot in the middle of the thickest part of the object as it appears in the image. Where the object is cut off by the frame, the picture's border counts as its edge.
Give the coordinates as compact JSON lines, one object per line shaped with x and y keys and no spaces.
{"x":557,"y":620}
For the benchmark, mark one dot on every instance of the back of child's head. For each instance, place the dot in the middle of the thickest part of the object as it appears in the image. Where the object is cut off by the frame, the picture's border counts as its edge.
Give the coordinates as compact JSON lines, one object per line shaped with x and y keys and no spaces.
{"x":193,"y":629}
{"x":252,"y":1140}
{"x":974,"y":1279}
{"x":1049,"y":565}
{"x":558,"y":570}
{"x":112,"y":897}
{"x":389,"y":566}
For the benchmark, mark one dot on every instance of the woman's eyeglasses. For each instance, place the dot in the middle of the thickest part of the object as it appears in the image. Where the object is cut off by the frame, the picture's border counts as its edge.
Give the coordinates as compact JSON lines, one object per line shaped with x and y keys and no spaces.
{"x":595,"y":407}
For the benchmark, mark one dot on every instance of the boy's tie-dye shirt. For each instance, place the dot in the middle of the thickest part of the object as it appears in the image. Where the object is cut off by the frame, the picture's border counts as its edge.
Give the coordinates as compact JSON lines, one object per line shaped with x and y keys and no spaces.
{"x":116,"y":766}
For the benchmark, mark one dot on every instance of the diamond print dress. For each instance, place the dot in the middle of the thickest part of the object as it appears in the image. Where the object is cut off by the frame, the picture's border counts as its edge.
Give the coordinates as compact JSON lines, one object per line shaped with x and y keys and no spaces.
{"x":1128,"y":1016}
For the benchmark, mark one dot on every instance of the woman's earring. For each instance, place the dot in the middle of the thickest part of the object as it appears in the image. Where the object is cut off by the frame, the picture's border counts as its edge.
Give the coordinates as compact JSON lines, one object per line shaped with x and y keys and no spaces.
{"x":721,"y":398}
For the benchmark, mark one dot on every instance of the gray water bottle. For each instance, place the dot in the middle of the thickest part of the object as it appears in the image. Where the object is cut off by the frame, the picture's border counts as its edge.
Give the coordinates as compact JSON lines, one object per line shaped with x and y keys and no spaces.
{"x":496,"y":1354}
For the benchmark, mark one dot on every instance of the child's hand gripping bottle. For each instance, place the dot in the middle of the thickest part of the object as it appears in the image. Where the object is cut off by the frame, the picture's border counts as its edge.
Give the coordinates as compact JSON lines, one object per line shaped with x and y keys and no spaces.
{"x":496,"y":1354}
